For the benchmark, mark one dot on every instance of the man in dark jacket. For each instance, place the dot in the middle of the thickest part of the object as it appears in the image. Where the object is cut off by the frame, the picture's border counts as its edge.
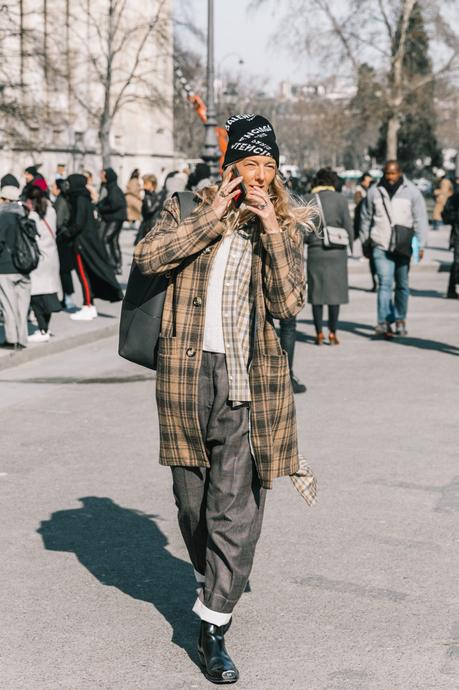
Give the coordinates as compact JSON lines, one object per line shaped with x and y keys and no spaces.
{"x":14,"y":286}
{"x":112,"y":210}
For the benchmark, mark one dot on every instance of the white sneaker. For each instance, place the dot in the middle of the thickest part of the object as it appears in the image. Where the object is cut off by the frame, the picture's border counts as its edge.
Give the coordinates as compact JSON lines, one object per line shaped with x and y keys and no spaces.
{"x":88,"y":312}
{"x":38,"y":337}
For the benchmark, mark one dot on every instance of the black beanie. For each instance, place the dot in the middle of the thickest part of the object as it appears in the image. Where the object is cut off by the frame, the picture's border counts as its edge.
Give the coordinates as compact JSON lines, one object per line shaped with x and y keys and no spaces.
{"x":249,"y":135}
{"x":9,"y":181}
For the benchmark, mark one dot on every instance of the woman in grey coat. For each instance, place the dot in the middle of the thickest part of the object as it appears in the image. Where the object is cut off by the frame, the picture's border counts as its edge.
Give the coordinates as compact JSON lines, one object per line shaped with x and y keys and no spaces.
{"x":326,"y":266}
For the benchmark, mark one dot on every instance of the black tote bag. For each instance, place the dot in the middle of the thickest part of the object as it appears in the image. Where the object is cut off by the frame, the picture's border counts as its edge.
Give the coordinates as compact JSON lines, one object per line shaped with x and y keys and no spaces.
{"x":401,"y":236}
{"x":143,"y":304}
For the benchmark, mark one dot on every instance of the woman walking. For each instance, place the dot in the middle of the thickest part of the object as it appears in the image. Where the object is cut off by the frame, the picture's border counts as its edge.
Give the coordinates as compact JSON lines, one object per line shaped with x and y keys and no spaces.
{"x":45,"y":278}
{"x":327,"y":265}
{"x":225,"y":401}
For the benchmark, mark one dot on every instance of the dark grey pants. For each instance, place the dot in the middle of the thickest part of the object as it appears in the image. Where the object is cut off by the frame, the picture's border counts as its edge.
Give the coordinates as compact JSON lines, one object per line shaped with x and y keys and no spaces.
{"x":220,"y":510}
{"x":15,"y":300}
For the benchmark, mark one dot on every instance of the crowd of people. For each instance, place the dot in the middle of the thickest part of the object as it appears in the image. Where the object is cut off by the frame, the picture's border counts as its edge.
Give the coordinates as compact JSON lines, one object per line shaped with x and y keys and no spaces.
{"x":78,"y":230}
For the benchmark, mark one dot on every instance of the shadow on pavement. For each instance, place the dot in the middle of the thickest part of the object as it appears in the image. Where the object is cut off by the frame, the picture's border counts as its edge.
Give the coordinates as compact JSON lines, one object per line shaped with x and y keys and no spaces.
{"x":366,"y":331}
{"x":125,"y":548}
{"x":427,"y":293}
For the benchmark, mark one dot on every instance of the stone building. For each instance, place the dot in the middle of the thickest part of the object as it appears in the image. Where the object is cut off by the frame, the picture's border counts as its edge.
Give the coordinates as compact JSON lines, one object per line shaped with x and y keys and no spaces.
{"x":86,"y":80}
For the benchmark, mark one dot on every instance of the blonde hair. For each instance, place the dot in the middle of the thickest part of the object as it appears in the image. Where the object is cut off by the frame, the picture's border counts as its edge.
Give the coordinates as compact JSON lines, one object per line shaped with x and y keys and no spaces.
{"x":292,"y":213}
{"x":150,"y":178}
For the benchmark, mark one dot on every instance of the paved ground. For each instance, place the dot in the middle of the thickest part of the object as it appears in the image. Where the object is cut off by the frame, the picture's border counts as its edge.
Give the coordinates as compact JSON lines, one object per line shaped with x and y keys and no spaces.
{"x":358,"y":592}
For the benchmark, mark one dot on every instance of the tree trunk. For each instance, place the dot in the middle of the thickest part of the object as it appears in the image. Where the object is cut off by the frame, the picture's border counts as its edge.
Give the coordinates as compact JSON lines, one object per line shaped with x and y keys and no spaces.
{"x":392,"y":138}
{"x":104,"y":138}
{"x":396,"y":101}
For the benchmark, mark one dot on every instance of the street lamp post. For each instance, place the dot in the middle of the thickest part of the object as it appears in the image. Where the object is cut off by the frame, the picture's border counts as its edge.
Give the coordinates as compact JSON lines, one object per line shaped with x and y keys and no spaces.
{"x":210,"y":152}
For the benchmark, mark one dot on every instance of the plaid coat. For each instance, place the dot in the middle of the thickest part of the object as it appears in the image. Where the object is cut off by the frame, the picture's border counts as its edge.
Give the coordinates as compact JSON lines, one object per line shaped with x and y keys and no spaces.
{"x":184,"y":251}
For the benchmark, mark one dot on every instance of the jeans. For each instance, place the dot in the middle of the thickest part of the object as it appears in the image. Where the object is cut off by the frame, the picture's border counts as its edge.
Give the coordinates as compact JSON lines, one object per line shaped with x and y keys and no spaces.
{"x":390,"y":268}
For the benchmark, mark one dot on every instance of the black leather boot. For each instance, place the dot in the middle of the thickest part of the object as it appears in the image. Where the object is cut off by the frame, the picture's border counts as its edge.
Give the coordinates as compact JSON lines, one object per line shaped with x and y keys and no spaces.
{"x":217,"y":663}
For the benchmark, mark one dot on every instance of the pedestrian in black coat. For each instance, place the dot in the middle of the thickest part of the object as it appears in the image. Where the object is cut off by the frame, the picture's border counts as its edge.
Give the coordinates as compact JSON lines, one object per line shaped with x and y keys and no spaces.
{"x":94,"y":270}
{"x":326,"y":266}
{"x":152,"y":203}
{"x":113,"y":212}
{"x":450,"y":216}
{"x":66,"y":255}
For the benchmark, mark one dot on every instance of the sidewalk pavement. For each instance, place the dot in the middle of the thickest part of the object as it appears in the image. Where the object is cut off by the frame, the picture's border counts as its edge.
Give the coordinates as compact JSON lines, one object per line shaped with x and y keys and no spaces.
{"x":69,"y":334}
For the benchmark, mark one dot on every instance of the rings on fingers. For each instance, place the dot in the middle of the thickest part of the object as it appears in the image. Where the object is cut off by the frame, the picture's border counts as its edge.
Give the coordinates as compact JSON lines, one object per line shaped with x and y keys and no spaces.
{"x":262,"y":206}
{"x":223,"y":193}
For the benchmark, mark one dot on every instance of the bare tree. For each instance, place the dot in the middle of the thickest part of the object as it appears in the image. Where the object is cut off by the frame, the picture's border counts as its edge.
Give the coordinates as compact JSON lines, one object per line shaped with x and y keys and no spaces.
{"x":355,"y":32}
{"x":120,"y":47}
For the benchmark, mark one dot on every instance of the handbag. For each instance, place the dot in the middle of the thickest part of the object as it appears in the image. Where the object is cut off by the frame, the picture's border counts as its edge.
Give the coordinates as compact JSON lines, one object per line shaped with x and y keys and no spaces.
{"x":401,"y":237}
{"x":143,"y":304}
{"x":334,"y":237}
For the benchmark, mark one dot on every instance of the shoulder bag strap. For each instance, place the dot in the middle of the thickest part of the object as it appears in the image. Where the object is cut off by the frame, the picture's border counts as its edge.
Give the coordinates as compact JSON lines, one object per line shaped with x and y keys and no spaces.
{"x":187,"y":203}
{"x":321,"y":211}
{"x":49,"y":228}
{"x":386,"y":210}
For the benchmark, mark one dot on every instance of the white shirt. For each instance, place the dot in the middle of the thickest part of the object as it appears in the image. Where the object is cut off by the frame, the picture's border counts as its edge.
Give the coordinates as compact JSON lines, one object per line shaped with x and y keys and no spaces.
{"x":213,"y":328}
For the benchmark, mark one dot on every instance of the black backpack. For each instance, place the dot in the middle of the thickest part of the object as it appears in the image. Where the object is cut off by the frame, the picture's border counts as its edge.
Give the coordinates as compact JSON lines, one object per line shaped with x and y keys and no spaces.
{"x":26,"y":254}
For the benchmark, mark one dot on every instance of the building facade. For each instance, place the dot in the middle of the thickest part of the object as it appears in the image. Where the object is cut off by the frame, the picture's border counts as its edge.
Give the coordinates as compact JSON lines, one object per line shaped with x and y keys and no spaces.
{"x":85,"y":83}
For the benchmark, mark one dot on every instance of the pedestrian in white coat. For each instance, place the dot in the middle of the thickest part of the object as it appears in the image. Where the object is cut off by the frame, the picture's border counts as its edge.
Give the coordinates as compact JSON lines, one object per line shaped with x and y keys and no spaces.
{"x":45,"y":278}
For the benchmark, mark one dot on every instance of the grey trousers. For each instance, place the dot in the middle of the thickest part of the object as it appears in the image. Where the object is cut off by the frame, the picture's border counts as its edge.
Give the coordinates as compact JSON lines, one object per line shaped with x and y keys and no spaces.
{"x":15,"y":301}
{"x":220,"y":510}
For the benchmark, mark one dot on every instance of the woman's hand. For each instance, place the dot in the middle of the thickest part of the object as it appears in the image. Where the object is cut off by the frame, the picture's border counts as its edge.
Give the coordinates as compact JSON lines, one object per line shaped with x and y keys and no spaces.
{"x":228,"y":190}
{"x":263,"y":208}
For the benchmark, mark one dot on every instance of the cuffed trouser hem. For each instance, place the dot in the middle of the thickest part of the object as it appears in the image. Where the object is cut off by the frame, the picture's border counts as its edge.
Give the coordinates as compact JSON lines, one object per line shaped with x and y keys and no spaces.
{"x":200,"y":579}
{"x":214,"y":617}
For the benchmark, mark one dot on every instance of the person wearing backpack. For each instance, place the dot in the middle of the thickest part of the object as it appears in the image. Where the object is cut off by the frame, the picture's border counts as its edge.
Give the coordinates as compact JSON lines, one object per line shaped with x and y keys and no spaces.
{"x":45,"y":278}
{"x":14,"y":285}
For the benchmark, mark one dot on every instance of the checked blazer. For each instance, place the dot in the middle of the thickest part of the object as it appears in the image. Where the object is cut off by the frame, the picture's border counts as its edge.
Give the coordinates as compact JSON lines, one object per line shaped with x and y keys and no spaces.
{"x":183,"y":250}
